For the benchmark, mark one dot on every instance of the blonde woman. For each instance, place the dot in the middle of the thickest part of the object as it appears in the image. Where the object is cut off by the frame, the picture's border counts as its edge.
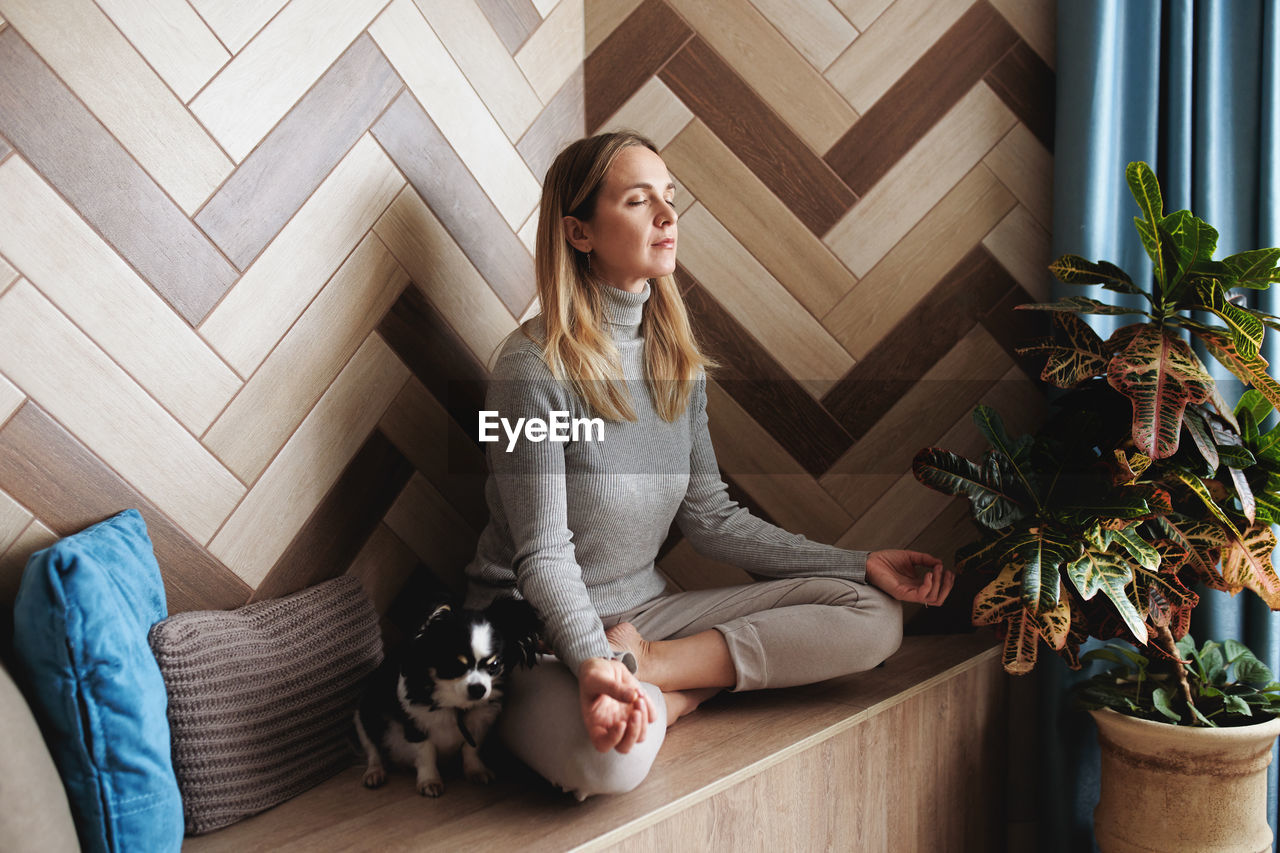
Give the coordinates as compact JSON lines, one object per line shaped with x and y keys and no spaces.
{"x":576,"y":524}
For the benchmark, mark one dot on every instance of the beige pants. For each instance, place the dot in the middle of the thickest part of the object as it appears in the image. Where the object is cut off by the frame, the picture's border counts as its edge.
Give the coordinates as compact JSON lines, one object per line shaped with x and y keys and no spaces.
{"x":780,"y":634}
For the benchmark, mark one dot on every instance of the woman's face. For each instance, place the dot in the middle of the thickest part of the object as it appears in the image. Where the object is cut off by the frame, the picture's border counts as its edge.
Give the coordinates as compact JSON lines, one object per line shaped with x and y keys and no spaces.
{"x":632,"y":236}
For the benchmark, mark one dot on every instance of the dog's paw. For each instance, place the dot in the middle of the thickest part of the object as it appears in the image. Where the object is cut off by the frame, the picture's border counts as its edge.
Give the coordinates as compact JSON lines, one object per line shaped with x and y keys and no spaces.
{"x":480,"y":775}
{"x":431,"y":787}
{"x":374,"y":777}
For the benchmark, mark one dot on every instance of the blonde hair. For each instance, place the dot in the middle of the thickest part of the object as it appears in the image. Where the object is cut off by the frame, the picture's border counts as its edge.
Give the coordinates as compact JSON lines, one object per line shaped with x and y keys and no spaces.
{"x":578,"y":345}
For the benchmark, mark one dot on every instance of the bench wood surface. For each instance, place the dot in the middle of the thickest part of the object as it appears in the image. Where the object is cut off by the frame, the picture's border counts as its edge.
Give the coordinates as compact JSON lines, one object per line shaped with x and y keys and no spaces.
{"x":911,"y":755}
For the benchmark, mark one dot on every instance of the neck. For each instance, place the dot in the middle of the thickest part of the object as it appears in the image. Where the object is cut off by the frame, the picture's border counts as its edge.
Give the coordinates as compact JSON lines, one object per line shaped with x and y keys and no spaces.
{"x":625,"y":310}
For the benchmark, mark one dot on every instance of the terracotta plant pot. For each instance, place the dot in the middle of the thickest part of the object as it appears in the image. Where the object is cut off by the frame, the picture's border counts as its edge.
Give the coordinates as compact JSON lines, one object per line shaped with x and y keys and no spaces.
{"x":1173,"y":788}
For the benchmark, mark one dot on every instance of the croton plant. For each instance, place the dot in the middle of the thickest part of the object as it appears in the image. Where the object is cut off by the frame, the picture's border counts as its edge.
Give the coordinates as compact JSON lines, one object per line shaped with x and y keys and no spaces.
{"x":1143,"y":480}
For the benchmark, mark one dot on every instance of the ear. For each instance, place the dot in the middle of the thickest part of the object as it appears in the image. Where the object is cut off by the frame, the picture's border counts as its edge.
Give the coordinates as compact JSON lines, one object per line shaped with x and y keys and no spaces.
{"x":438,"y":612}
{"x":520,"y":627}
{"x":578,"y":233}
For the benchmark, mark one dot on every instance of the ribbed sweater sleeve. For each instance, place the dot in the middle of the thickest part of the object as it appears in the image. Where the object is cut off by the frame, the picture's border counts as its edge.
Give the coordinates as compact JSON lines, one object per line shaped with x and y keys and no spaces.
{"x":719,"y":528}
{"x":531,"y":482}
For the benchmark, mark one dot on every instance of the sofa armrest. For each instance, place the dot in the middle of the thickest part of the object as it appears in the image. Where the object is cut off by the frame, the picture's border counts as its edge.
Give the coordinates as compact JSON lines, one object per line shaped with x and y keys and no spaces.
{"x":34,"y":814}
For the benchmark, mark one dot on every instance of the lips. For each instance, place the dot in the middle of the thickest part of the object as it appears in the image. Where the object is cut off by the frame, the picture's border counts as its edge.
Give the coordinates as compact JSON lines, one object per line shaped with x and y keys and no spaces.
{"x":669,"y":243}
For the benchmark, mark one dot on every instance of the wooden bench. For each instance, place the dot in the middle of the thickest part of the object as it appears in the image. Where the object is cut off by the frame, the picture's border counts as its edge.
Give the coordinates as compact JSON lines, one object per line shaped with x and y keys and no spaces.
{"x":913,"y":755}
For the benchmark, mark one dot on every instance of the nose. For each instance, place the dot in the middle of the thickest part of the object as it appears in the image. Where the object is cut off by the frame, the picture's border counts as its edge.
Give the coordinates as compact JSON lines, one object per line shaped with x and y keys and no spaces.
{"x":666,"y":213}
{"x":476,"y":691}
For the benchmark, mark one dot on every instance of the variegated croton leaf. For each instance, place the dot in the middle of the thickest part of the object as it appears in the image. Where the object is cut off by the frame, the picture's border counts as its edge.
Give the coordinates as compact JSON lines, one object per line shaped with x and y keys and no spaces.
{"x":1077,"y":634}
{"x":1203,"y":541}
{"x":1201,"y":491}
{"x":1067,"y":365}
{"x":1247,"y":564}
{"x":1250,"y":371}
{"x":1128,"y":467}
{"x":1073,"y":269}
{"x":1080,"y":305}
{"x":1001,"y":598}
{"x":1255,"y":269}
{"x":1054,"y":623}
{"x":1161,"y":376}
{"x":1044,"y":552}
{"x":1199,"y":431}
{"x":1244,"y":328}
{"x":1021,"y":643}
{"x":994,"y":494}
{"x":1111,"y":573}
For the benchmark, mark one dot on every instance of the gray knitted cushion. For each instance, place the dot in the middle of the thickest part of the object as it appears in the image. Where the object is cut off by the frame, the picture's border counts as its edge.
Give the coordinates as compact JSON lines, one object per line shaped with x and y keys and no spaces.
{"x":261,"y":698}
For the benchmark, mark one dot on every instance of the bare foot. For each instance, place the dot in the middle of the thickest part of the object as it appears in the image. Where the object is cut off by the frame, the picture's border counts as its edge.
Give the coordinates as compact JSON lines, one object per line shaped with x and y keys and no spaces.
{"x":624,"y":637}
{"x":682,"y":702}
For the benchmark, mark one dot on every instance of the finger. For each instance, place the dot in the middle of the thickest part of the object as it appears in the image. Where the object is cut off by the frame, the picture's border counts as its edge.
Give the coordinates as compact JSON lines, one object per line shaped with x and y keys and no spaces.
{"x":630,"y":732}
{"x":935,"y":588}
{"x":927,"y":559}
{"x":948,"y":580}
{"x":639,"y":722}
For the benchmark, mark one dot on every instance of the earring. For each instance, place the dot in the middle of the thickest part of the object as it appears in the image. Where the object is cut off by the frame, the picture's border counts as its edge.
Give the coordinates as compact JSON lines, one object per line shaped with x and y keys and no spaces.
{"x":588,"y":261}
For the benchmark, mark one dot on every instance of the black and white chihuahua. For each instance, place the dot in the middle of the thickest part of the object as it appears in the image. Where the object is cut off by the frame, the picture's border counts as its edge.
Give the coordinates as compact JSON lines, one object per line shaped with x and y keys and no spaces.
{"x":441,"y":691}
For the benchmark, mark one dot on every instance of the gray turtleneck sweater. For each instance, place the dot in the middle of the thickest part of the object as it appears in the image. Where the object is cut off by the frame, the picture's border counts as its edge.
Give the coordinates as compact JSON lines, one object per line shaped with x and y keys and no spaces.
{"x":574,"y":526}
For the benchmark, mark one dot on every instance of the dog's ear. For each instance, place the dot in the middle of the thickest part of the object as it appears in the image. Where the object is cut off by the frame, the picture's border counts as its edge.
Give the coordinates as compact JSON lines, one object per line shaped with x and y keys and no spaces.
{"x":520,"y":627}
{"x":438,"y":611}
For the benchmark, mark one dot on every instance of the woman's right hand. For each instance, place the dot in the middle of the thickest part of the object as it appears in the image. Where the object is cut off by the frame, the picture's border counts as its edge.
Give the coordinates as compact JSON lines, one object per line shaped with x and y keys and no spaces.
{"x":615,"y":708}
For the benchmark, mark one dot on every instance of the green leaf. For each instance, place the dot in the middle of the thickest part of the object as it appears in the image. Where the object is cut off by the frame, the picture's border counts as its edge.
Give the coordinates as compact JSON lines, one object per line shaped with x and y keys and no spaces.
{"x":1255,"y":404}
{"x":1236,"y":457}
{"x":1081,"y":305}
{"x":1245,"y":329}
{"x":1121,"y":655}
{"x":1073,"y":269}
{"x":1185,"y":646}
{"x":1233,"y":649}
{"x":1160,"y":697}
{"x":1236,"y":705}
{"x":1254,"y":269}
{"x":1189,"y":240}
{"x":1215,"y":666}
{"x":1147,"y":556}
{"x":1250,"y":670}
{"x":1146,"y":192}
{"x":952,"y":474}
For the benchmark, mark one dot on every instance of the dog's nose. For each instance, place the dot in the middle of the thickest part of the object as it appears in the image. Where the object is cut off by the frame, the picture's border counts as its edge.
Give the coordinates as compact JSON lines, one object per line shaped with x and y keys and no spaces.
{"x":476,"y":691}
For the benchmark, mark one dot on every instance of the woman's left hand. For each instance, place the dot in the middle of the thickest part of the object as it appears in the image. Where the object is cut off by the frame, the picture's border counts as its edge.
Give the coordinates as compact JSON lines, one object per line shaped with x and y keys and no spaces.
{"x":894,"y":571}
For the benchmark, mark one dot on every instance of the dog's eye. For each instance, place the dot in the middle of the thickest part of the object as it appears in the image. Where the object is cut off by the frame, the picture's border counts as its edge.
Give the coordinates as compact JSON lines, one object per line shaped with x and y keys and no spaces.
{"x":493,"y":665}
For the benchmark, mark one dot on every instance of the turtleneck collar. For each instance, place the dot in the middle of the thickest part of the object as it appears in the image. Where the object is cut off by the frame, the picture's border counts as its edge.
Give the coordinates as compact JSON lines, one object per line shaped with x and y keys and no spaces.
{"x":625,"y":310}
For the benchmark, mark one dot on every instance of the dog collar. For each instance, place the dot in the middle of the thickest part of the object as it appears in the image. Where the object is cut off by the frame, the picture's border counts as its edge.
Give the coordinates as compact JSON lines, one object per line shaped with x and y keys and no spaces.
{"x":462,"y":727}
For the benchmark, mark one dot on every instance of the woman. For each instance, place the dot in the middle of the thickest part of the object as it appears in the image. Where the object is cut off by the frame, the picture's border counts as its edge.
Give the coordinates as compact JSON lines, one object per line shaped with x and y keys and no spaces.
{"x":575,"y":525}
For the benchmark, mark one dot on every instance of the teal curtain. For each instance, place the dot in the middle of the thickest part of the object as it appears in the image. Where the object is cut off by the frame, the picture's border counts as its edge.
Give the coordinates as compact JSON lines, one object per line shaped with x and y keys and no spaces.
{"x":1189,"y":86}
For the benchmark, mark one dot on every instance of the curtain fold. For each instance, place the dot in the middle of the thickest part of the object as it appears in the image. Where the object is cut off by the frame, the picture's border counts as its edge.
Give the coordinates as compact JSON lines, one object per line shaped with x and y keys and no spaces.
{"x":1190,"y":87}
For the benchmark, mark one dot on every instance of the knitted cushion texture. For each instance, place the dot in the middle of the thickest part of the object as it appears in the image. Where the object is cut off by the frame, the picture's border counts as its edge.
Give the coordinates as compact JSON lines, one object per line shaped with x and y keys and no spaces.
{"x":261,"y":698}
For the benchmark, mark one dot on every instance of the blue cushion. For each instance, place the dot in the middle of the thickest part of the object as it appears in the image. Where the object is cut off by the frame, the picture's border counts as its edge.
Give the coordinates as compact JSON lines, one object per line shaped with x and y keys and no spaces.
{"x":80,"y":631}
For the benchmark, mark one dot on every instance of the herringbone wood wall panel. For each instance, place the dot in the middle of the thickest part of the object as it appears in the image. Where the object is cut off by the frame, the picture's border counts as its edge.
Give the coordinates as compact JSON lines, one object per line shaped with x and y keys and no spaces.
{"x":255,"y":258}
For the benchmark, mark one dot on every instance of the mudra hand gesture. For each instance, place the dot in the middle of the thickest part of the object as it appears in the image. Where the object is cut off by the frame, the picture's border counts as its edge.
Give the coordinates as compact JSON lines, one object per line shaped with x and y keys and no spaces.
{"x":898,"y":573}
{"x":615,"y":708}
